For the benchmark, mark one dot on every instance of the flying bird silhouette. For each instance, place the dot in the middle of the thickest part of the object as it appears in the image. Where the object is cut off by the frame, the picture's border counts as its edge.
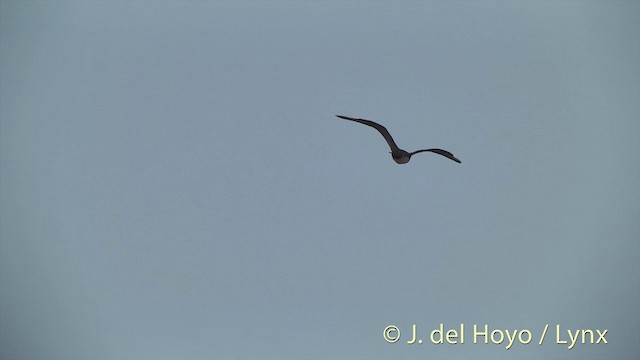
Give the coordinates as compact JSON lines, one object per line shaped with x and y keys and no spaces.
{"x":399,"y":156}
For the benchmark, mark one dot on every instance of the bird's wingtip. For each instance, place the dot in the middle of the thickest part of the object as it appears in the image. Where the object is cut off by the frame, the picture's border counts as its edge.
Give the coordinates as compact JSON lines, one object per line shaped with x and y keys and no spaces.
{"x":347,"y":117}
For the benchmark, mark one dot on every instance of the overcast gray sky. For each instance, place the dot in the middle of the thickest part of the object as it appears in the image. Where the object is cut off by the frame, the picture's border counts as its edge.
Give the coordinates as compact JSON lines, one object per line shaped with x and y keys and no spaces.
{"x":174,"y":183}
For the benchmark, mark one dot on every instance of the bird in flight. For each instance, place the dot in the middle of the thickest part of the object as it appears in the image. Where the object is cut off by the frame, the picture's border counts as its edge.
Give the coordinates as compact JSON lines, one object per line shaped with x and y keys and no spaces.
{"x":399,"y":156}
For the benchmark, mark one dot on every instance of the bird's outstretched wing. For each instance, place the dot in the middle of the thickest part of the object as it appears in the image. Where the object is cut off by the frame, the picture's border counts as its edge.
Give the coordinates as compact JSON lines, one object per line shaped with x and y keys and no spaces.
{"x":383,"y":130}
{"x":444,"y":153}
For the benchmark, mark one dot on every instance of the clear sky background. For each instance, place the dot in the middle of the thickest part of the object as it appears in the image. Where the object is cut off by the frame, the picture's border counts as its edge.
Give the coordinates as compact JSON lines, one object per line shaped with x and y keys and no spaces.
{"x":174,"y":183}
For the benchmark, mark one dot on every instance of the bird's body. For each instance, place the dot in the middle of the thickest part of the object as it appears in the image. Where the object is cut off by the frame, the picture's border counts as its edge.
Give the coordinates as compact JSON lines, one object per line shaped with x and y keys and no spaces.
{"x":399,"y":156}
